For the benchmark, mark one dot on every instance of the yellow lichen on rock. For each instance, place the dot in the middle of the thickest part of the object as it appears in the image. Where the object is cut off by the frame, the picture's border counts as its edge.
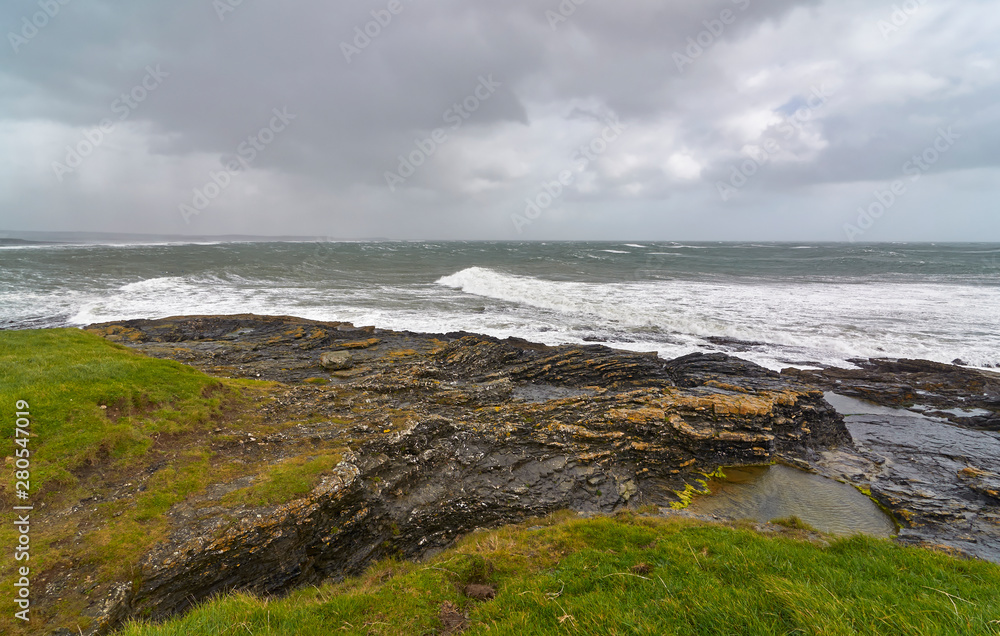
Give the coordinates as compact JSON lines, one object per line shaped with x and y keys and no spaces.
{"x":403,"y":353}
{"x":360,"y":344}
{"x":583,"y":432}
{"x":686,"y":429}
{"x":733,"y":436}
{"x":757,"y":405}
{"x":637,"y":416}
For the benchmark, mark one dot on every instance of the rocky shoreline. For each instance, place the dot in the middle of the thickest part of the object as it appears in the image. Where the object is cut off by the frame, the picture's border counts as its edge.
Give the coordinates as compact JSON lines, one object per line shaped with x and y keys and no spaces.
{"x":925,"y":446}
{"x":445,"y":433}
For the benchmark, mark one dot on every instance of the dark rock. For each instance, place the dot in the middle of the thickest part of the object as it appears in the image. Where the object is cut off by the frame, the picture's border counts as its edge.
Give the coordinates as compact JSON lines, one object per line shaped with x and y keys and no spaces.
{"x":927,"y":449}
{"x":457,"y":432}
{"x":696,"y":368}
{"x":939,"y":480}
{"x":966,"y":397}
{"x":984,"y":482}
{"x":734,"y":344}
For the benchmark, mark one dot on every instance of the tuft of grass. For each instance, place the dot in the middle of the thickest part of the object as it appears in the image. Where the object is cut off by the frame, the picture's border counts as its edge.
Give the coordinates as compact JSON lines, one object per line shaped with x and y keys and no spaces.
{"x":684,"y":497}
{"x":635,"y":575}
{"x":793,"y":523}
{"x":285,"y":481}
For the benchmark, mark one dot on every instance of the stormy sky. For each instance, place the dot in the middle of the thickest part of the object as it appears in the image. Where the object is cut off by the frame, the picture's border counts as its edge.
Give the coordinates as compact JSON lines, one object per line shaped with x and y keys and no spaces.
{"x":520,"y":119}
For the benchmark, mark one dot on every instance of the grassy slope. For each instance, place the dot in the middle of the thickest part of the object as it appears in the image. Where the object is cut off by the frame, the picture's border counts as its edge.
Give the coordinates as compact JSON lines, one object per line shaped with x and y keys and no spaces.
{"x":574,"y":576}
{"x":138,"y":456}
{"x":635,"y":575}
{"x":67,"y":375}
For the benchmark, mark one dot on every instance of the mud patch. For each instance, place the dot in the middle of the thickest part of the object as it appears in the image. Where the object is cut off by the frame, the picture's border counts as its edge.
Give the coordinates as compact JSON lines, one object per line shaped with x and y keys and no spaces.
{"x":452,"y":621}
{"x":479,"y":592}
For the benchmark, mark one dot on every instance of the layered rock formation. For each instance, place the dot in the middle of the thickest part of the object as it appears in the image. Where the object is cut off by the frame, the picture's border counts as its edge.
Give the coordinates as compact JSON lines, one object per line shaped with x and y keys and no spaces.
{"x":442,"y":434}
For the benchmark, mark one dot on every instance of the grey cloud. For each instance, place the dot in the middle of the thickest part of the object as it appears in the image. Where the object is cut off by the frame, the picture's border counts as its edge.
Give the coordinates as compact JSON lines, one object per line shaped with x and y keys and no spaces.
{"x":558,"y":82}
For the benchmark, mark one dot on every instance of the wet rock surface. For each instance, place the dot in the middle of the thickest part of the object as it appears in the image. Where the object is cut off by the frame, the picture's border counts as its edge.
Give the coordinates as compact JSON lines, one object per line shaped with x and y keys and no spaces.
{"x":926,"y":446}
{"x":939,"y":480}
{"x":442,"y":434}
{"x":966,"y":397}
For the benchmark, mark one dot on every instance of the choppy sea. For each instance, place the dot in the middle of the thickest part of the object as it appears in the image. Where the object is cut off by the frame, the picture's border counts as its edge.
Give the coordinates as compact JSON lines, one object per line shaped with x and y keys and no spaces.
{"x":778,"y":304}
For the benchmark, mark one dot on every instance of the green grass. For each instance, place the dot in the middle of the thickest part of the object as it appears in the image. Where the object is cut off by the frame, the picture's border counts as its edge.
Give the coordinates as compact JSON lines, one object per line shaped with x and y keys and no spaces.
{"x":67,"y":375}
{"x":794,"y":523}
{"x":117,"y":438}
{"x":634,"y":575}
{"x":288,"y":479}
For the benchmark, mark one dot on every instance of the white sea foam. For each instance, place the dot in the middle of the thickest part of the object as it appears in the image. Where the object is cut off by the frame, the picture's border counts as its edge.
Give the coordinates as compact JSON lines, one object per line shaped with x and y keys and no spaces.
{"x":782,"y":320}
{"x":793,"y":322}
{"x":782,"y":323}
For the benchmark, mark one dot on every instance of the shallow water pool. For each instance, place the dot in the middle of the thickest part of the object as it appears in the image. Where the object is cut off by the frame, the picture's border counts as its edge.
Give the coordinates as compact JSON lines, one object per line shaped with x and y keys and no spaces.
{"x":763,"y":493}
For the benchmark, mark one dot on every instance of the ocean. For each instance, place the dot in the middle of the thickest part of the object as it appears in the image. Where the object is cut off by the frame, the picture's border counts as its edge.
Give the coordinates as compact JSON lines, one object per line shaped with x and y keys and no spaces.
{"x":777,"y":304}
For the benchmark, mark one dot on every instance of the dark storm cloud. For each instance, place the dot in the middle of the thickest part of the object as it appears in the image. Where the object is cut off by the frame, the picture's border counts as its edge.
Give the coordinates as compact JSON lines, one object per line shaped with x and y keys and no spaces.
{"x":698,"y":86}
